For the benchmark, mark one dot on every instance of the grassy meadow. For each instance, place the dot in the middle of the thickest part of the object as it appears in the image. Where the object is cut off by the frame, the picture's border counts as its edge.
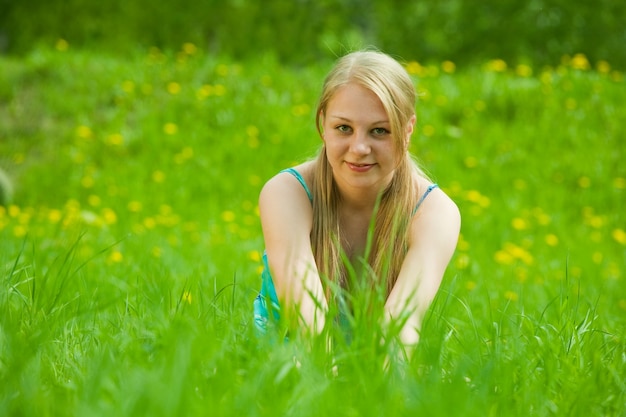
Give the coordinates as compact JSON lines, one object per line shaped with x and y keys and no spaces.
{"x":130,"y":253}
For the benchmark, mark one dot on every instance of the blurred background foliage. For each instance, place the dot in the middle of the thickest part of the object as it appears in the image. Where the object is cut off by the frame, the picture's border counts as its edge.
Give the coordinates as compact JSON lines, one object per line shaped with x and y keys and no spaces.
{"x":536,"y":32}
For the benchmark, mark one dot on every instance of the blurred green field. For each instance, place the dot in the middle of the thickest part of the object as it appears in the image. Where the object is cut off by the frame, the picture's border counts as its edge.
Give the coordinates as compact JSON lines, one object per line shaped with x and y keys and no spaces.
{"x":130,"y":253}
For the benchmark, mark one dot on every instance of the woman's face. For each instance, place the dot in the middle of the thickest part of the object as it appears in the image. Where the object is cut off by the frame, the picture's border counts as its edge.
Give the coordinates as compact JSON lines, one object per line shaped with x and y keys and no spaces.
{"x":359,"y":145}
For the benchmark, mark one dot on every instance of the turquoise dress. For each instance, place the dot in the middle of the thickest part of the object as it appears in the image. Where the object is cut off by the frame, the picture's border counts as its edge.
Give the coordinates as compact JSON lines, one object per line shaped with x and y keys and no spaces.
{"x":266,"y":306}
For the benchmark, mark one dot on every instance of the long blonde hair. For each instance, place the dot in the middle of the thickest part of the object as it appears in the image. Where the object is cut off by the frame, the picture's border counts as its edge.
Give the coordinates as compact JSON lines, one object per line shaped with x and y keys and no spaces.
{"x":388,"y":243}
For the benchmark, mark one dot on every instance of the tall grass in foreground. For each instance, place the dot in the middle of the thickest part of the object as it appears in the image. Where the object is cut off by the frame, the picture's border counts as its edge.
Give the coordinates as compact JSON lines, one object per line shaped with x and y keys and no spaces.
{"x":130,"y":258}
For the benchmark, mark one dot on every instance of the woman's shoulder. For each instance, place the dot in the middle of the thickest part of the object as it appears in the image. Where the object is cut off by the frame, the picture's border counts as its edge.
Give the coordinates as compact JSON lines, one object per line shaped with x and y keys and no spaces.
{"x":289,"y":187}
{"x":438,"y":214}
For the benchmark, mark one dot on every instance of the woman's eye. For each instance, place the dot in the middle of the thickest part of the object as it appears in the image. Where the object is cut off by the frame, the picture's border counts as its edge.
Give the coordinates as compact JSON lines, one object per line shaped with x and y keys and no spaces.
{"x":379,"y":131}
{"x":343,"y":128}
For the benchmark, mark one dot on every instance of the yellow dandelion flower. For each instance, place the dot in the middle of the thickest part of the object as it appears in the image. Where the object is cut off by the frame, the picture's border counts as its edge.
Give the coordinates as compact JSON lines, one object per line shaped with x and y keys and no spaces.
{"x":109,"y":216}
{"x":170,"y":128}
{"x":219,"y":90}
{"x":24,"y":217}
{"x":135,"y":206}
{"x":62,"y":45}
{"x":619,"y":183}
{"x":116,"y":256}
{"x":496,"y":65}
{"x":187,"y":297}
{"x":149,"y":222}
{"x":519,"y":224}
{"x":158,"y":176}
{"x":552,"y":239}
{"x":519,"y":253}
{"x":521,"y":274}
{"x":543,"y":219}
{"x":448,"y":67}
{"x":189,"y":48}
{"x":584,"y":182}
{"x":597,"y":257}
{"x":84,"y":132}
{"x":470,"y":285}
{"x":259,"y":269}
{"x":252,"y":131}
{"x":253,"y":142}
{"x":480,"y":105}
{"x":94,"y":200}
{"x":596,"y":236}
{"x":222,"y":70}
{"x":300,"y":110}
{"x":524,"y":70}
{"x":228,"y":216}
{"x":414,"y":68}
{"x":128,"y":87}
{"x":603,"y":67}
{"x":173,"y":88}
{"x":471,"y":162}
{"x":484,"y":202}
{"x":596,"y":221}
{"x":428,"y":130}
{"x":441,"y":100}
{"x":173,"y":240}
{"x":19,"y":158}
{"x":473,"y":195}
{"x":156,"y":252}
{"x":617,"y":76}
{"x":580,"y":62}
{"x":254,"y":180}
{"x":432,"y":71}
{"x":519,"y":184}
{"x":205,"y":91}
{"x":72,"y":205}
{"x":20,"y":230}
{"x":185,"y":154}
{"x":503,"y":257}
{"x":54,"y":216}
{"x":115,"y":139}
{"x":138,"y":229}
{"x":571,"y":104}
{"x":254,"y":256}
{"x":14,"y":210}
{"x":87,"y":181}
{"x":462,"y":261}
{"x":511,"y":295}
{"x":462,"y":245}
{"x":620,"y":236}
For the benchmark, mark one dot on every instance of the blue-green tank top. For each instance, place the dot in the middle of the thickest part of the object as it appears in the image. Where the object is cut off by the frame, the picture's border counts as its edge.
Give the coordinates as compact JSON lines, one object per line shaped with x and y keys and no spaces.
{"x":266,"y":304}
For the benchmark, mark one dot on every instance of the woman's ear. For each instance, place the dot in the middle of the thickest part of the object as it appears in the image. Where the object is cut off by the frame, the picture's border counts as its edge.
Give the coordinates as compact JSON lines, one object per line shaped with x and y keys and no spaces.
{"x":321,"y":125}
{"x":409,"y":131}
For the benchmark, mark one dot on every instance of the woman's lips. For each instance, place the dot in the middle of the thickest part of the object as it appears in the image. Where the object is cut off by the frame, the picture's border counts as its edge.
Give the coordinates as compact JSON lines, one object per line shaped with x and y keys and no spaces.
{"x":359,"y":167}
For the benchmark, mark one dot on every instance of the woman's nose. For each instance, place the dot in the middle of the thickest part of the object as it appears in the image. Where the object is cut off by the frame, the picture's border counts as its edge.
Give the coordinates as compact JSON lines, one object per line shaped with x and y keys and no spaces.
{"x":359,"y":144}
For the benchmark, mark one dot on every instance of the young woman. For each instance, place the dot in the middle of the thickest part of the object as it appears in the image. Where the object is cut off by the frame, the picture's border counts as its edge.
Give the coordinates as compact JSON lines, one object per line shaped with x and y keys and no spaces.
{"x":362,"y":200}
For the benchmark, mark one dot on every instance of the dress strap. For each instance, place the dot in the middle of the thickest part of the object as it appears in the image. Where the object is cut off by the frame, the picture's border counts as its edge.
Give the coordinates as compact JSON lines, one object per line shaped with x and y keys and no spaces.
{"x":300,"y":180}
{"x":423,"y":197}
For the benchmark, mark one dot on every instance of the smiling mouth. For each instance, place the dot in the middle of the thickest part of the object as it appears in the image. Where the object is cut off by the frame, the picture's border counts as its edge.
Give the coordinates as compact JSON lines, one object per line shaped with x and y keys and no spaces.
{"x":359,"y":167}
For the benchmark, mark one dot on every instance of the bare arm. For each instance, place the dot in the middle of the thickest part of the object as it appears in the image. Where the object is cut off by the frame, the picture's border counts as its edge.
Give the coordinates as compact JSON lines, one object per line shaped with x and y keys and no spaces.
{"x":433,"y":237}
{"x":286,"y":219}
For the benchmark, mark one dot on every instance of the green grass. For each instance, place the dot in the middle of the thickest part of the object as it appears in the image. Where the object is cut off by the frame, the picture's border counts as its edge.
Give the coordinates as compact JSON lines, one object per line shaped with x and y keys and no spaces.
{"x":130,"y":257}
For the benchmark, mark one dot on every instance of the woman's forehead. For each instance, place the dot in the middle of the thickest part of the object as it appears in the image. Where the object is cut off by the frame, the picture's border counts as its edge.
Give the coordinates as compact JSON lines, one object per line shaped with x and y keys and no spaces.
{"x":354,"y":102}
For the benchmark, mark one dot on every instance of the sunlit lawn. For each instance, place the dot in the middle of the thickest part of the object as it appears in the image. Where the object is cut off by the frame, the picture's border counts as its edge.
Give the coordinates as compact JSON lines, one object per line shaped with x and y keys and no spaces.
{"x":131,"y":252}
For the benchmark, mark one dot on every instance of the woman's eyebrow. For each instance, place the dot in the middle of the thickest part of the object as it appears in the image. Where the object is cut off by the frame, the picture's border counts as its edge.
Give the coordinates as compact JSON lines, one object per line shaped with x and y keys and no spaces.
{"x":345,"y":119}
